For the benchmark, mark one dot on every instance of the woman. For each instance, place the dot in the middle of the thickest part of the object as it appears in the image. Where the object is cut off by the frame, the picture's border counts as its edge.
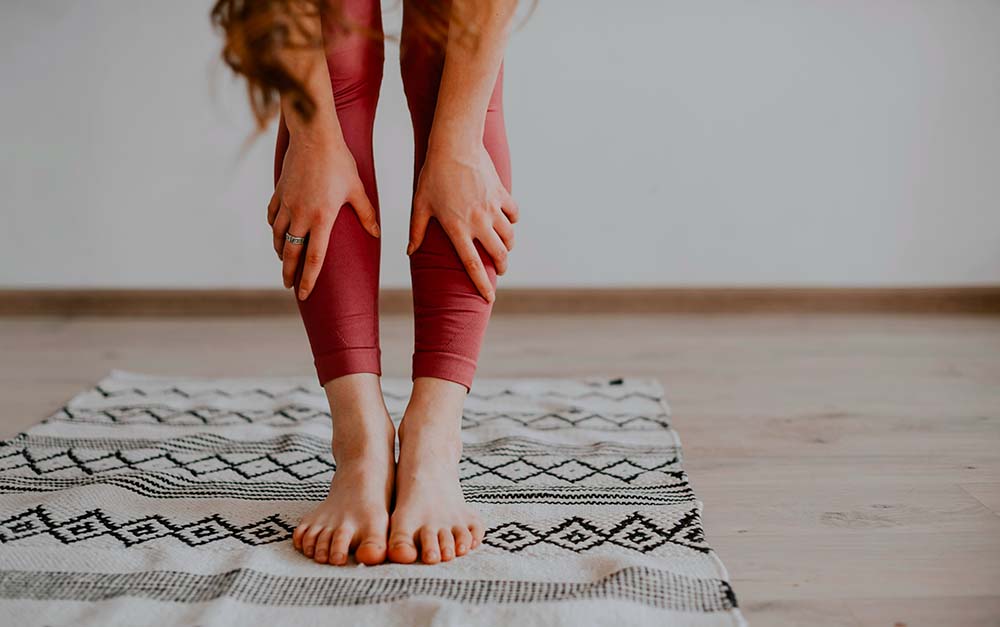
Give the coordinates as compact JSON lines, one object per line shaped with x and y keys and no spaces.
{"x":325,"y":219}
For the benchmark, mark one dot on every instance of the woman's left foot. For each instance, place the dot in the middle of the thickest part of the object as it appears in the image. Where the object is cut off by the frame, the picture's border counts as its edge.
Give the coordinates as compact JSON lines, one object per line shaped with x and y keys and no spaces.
{"x":431,"y":521}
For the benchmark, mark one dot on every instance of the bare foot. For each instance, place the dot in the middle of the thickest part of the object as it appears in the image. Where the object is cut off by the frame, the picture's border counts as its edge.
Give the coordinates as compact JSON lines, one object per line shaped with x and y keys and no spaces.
{"x":431,"y":520}
{"x":354,"y":518}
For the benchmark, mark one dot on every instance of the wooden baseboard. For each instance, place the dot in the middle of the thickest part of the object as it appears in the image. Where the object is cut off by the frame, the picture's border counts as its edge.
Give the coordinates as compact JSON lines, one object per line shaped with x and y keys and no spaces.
{"x":687,"y":300}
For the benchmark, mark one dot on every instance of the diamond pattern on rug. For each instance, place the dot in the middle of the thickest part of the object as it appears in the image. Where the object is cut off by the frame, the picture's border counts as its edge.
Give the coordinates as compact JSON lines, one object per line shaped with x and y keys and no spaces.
{"x":162,"y":489}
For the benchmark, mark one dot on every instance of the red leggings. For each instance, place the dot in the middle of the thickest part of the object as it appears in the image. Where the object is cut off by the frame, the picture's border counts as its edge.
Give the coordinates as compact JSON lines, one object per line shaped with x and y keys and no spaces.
{"x":341,"y":313}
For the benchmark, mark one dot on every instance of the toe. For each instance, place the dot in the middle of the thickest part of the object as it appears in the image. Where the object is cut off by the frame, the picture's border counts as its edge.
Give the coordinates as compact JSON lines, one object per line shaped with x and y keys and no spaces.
{"x":447,"y":543}
{"x":371,"y":549}
{"x":340,"y":545}
{"x":322,"y":551}
{"x":476,"y":528}
{"x":430,"y":550}
{"x":402,"y":550}
{"x":298,"y":534}
{"x":463,"y":540}
{"x":309,"y":540}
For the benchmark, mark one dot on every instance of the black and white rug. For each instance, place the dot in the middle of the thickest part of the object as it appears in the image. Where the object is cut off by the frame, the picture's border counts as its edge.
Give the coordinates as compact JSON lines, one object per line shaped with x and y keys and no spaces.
{"x":163,"y":500}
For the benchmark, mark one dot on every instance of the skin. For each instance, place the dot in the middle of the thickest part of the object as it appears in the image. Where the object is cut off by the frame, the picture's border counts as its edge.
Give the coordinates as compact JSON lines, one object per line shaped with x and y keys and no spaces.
{"x":378,"y":509}
{"x":458,"y":184}
{"x":354,"y":518}
{"x":318,"y":174}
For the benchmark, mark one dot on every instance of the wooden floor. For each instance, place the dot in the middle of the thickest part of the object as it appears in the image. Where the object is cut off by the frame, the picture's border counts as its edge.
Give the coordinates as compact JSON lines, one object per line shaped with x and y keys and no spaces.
{"x":850,"y":465}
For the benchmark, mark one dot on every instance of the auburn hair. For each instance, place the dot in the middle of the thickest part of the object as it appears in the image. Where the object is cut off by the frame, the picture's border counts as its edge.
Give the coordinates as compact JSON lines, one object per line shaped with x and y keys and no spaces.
{"x":256,"y":32}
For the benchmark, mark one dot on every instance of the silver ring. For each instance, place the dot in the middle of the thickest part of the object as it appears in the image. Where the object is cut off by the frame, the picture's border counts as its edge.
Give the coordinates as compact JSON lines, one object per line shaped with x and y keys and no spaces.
{"x":291,"y":239}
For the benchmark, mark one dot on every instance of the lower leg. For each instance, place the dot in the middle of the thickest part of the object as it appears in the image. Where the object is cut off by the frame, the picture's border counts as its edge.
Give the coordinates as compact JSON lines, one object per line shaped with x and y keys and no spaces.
{"x":341,"y":320}
{"x":341,"y":313}
{"x":354,"y":517}
{"x":431,"y":519}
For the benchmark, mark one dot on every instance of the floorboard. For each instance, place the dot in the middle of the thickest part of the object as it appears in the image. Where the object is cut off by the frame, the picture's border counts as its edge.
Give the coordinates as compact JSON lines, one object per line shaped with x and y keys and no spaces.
{"x":849,"y":464}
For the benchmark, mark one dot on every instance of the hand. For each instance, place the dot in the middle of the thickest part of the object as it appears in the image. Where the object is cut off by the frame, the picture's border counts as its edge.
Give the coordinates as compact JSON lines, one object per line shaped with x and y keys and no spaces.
{"x":461,"y":188}
{"x":318,"y":176}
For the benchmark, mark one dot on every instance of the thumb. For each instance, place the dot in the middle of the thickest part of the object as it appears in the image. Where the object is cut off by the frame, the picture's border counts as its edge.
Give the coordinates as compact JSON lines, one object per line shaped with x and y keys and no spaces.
{"x":366,"y":212}
{"x":418,"y":226}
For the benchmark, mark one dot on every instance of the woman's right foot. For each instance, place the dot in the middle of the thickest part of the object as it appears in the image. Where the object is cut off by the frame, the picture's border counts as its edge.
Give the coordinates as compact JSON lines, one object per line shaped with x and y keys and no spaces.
{"x":354,"y":517}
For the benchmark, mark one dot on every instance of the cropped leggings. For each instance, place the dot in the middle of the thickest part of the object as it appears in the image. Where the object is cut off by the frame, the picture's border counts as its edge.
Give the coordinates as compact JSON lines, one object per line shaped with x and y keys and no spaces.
{"x":341,"y":314}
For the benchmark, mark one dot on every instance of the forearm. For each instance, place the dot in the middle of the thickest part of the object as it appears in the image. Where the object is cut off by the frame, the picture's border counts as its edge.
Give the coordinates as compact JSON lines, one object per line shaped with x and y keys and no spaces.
{"x":307,"y":61}
{"x":471,"y":65}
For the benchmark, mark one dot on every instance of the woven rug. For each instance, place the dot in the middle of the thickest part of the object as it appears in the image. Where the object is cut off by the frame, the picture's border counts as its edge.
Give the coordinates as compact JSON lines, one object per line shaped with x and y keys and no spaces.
{"x":163,"y":500}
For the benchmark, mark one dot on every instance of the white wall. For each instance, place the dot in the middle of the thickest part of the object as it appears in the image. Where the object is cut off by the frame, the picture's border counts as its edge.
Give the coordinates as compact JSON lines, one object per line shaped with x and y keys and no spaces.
{"x":701,"y":142}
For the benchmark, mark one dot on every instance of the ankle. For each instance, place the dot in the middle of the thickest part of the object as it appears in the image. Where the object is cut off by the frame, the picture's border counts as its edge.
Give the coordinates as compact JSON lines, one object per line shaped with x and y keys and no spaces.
{"x":434,"y":436}
{"x":357,"y":394}
{"x":362,"y":442}
{"x":436,"y":397}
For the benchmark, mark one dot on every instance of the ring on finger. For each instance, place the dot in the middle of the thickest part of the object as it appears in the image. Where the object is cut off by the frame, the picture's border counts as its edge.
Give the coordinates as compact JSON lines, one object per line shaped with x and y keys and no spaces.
{"x":292,"y":239}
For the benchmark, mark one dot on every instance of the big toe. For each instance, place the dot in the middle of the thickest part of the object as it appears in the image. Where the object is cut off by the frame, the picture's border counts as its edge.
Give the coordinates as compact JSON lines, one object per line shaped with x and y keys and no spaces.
{"x":402,"y":549}
{"x":372,"y":548}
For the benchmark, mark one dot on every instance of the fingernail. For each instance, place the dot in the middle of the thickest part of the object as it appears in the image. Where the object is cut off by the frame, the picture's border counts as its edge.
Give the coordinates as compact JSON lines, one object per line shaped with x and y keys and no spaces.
{"x":378,"y":231}
{"x":409,"y":249}
{"x":302,"y":294}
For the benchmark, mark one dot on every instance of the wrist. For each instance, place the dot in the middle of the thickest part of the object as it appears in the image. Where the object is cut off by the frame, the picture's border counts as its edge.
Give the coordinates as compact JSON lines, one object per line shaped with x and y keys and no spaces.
{"x":454,"y":141}
{"x":316,"y":134}
{"x":321,"y":128}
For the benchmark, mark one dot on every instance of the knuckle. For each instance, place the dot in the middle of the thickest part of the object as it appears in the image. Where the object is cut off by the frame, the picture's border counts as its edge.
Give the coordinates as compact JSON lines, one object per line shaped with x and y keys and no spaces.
{"x":471,"y":263}
{"x":314,"y":258}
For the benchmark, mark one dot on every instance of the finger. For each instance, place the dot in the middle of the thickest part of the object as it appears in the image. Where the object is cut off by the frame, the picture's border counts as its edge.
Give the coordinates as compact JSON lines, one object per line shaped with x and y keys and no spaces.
{"x":316,"y":246}
{"x":511,"y":209}
{"x":474,"y":266}
{"x":366,"y":212}
{"x":281,"y":222}
{"x":418,"y":226}
{"x":496,"y":249}
{"x":290,"y":257}
{"x":504,"y":229}
{"x":272,"y":208}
